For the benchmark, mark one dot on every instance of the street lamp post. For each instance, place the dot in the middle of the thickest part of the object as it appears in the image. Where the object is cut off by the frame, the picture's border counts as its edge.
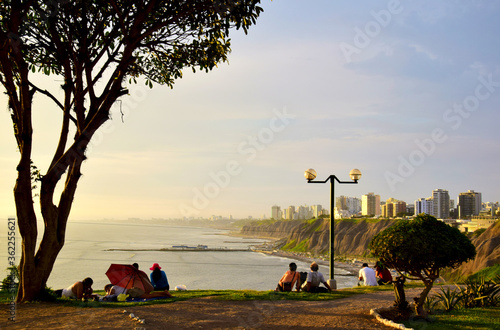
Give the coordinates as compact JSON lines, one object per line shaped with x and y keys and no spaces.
{"x":310,"y":175}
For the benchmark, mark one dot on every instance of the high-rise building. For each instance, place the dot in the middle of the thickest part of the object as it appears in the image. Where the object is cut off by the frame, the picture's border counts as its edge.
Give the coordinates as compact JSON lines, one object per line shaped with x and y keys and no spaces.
{"x":370,"y":204}
{"x":304,"y":212}
{"x":399,"y":208}
{"x":291,"y":212}
{"x":276,"y":212}
{"x":440,"y":204}
{"x":410,"y":208}
{"x":393,"y":207}
{"x":317,"y":210}
{"x":424,"y":205}
{"x":469,"y":204}
{"x":387,"y":210}
{"x":341,"y":202}
{"x":350,"y":204}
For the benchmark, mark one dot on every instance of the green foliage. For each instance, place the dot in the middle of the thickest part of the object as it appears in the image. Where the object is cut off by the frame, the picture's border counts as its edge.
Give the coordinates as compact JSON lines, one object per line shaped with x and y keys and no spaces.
{"x":230,"y":295}
{"x":422,"y":247}
{"x":430,"y":303}
{"x":11,"y":281}
{"x":163,"y":37}
{"x":290,"y":245}
{"x":481,"y":293}
{"x":36,"y":176}
{"x":469,"y":319}
{"x":448,"y":299}
{"x":302,"y":246}
{"x":264,"y":222}
{"x":478,"y":232}
{"x":489,"y":273}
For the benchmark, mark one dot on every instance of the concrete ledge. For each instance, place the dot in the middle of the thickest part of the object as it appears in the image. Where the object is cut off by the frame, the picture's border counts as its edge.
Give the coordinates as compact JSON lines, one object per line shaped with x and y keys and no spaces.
{"x":389,"y":323}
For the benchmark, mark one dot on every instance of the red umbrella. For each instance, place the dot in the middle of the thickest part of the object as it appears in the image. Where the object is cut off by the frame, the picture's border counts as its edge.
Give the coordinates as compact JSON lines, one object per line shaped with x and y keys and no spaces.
{"x":127,"y":276}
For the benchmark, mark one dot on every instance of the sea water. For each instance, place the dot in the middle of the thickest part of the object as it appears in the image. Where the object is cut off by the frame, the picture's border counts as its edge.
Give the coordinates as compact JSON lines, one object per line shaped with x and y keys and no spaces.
{"x":92,"y":246}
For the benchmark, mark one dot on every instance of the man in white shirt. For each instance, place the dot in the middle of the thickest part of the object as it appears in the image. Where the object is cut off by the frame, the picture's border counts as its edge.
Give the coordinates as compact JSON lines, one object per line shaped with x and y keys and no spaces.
{"x":367,"y":275}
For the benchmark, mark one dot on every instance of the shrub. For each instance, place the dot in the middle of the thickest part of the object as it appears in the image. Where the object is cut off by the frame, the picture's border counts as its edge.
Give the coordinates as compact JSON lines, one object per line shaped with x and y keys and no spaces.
{"x":448,"y":299}
{"x":480,"y":293}
{"x":11,"y":281}
{"x":430,"y":303}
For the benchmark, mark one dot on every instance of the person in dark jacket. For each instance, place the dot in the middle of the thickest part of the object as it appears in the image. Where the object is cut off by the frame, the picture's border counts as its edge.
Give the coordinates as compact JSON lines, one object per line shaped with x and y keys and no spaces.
{"x":159,"y":278}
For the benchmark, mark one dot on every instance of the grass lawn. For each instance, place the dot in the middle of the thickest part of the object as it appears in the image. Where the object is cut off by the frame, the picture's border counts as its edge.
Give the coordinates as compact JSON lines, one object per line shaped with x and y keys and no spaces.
{"x":472,"y":318}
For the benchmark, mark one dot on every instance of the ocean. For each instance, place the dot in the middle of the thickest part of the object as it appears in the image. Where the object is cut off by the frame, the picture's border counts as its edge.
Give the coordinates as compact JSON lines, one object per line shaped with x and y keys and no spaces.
{"x":91,"y":246}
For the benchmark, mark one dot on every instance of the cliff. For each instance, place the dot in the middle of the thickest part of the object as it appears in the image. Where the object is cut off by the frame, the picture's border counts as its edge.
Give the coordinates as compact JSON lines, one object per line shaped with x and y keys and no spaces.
{"x":488,"y":251}
{"x":351,"y":237}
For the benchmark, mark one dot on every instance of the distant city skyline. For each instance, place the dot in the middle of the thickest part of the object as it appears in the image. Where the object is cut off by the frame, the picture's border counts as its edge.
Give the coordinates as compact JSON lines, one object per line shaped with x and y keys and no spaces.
{"x":439,"y":204}
{"x":407,"y":92}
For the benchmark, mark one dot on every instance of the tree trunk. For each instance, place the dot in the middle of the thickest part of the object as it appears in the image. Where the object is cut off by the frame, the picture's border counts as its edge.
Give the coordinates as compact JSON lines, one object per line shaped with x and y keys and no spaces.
{"x":420,"y":301}
{"x":399,"y":293}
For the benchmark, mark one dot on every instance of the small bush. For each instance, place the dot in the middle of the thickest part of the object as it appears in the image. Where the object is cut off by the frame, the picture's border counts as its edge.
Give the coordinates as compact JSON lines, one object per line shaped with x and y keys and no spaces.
{"x":480,"y":293}
{"x":11,"y":281}
{"x":448,"y":299}
{"x":430,"y":303}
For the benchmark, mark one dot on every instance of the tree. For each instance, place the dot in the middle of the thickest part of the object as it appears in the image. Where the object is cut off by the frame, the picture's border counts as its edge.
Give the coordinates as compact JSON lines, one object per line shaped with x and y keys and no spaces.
{"x":418,"y":249}
{"x":95,"y":46}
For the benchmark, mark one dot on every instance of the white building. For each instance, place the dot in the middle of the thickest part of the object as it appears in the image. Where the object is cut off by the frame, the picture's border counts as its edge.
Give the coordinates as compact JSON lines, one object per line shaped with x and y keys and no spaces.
{"x":424,"y":205}
{"x":317,"y":210}
{"x":276,"y":212}
{"x":304,"y":212}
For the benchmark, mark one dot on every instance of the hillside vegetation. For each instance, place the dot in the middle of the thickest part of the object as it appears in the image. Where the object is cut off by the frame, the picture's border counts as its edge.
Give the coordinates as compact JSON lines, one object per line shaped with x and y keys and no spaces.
{"x":351,"y":236}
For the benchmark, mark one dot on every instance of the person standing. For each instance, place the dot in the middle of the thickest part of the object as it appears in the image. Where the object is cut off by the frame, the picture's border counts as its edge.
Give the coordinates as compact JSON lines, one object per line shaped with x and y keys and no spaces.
{"x":367,"y":275}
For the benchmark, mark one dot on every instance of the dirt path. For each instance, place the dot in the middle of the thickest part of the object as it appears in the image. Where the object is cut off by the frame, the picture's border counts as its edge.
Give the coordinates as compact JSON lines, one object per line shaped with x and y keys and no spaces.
{"x":207,"y":313}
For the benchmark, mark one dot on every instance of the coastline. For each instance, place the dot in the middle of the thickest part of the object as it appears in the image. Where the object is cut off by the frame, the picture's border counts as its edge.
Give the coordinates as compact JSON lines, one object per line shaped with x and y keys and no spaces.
{"x":351,"y":266}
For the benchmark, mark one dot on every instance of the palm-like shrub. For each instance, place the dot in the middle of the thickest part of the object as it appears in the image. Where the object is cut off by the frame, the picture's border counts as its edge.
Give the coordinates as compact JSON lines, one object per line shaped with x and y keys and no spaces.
{"x":480,"y":293}
{"x":448,"y":299}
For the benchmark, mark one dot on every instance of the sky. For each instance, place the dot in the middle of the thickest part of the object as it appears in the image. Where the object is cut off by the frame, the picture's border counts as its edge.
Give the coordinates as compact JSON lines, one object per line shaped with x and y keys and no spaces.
{"x":406,"y":92}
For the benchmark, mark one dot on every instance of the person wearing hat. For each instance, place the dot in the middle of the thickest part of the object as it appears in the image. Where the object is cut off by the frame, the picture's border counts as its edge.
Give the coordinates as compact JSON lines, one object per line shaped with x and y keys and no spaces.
{"x":314,"y":279}
{"x":159,"y":278}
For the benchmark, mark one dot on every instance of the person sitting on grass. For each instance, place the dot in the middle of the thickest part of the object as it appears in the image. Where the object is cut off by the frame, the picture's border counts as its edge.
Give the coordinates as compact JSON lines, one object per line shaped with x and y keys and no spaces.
{"x":314,"y":279}
{"x":112,"y":292}
{"x":367,"y":275}
{"x":158,"y":278}
{"x":290,"y":278}
{"x":382,"y":274}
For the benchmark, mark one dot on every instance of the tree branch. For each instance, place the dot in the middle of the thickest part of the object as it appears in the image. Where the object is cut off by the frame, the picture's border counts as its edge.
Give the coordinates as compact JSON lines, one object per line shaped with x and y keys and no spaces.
{"x":53,"y":98}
